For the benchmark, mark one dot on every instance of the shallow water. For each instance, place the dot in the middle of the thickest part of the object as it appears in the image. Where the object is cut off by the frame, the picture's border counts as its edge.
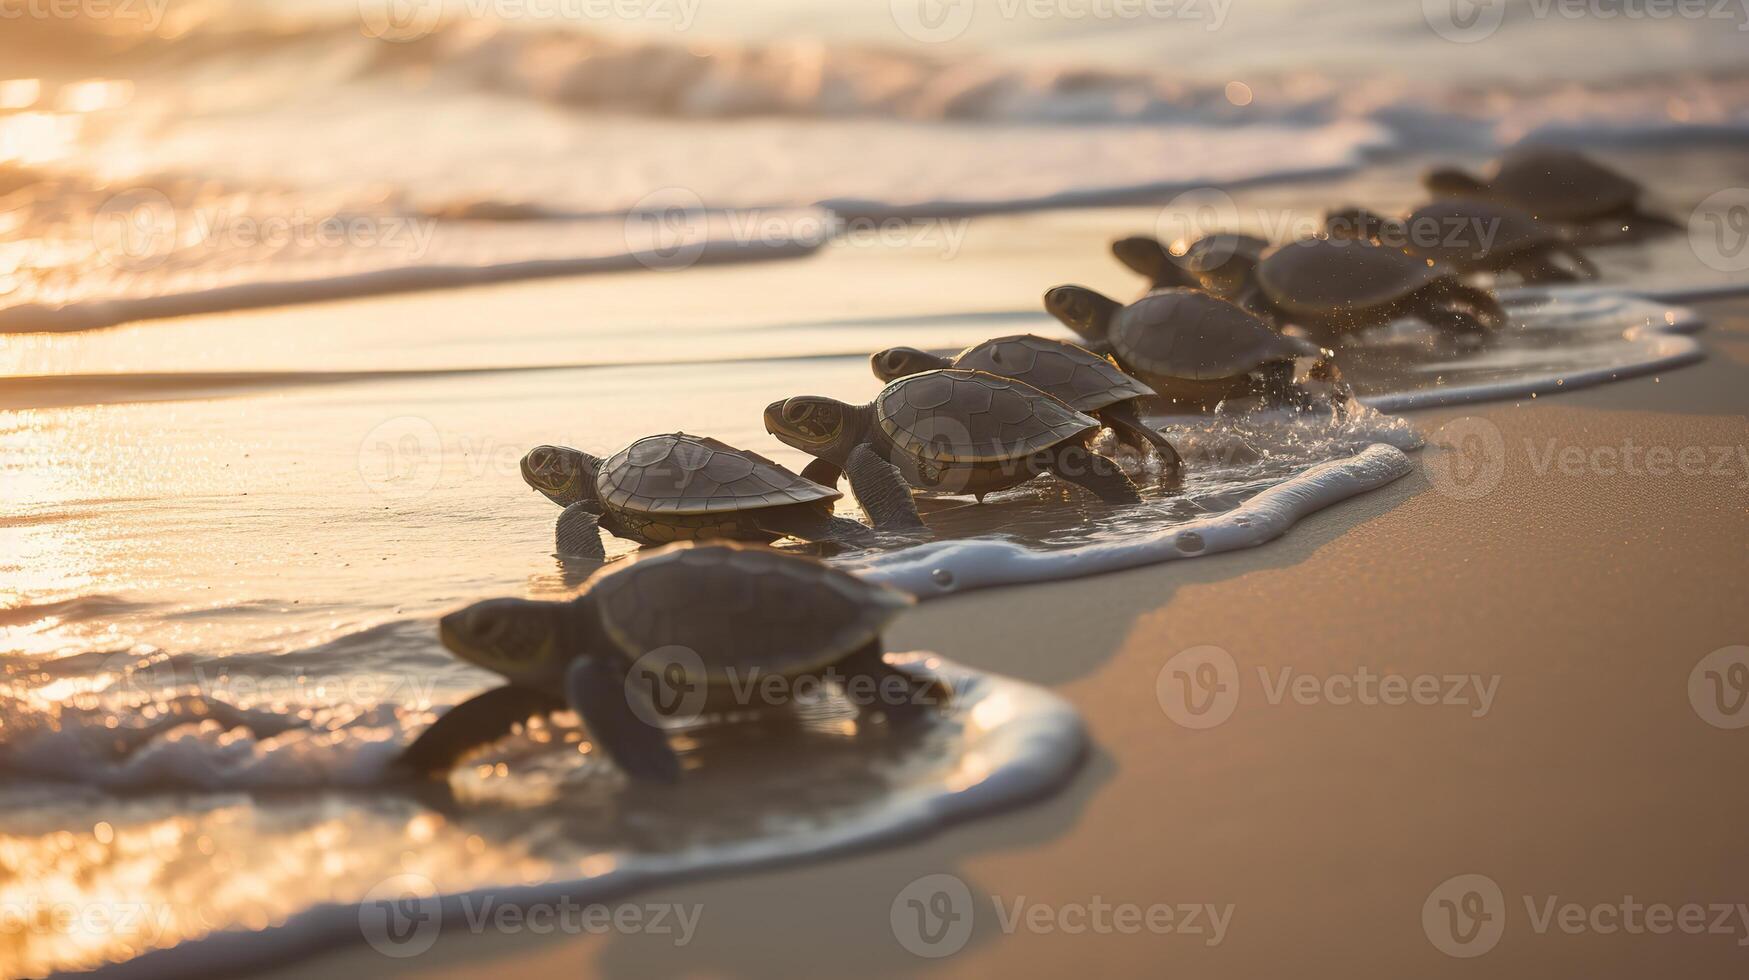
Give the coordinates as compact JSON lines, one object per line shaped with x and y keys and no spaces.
{"x":537,"y":819}
{"x":226,"y":538}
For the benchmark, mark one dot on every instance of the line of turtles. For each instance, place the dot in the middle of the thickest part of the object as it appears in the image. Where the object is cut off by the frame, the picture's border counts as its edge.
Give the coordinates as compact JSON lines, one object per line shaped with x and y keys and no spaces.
{"x":1226,"y":318}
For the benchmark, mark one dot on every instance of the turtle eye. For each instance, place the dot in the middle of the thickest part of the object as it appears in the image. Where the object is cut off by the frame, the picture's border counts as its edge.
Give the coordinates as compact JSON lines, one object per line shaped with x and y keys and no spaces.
{"x":793,"y":412}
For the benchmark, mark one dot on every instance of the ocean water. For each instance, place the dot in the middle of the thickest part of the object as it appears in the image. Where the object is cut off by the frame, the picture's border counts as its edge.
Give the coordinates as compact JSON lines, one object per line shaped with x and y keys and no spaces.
{"x":234,"y":507}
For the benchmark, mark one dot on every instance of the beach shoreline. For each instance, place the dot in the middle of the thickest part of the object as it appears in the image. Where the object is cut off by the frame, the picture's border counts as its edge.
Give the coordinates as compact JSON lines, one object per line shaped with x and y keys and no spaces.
{"x":1586,"y":598}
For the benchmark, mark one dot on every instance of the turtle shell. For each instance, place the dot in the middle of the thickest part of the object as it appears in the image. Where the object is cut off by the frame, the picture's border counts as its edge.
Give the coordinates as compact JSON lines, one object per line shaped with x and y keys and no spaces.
{"x":1073,"y":375}
{"x":1561,"y":184}
{"x":739,"y":608}
{"x":958,"y":416}
{"x":1317,"y":277}
{"x":1186,"y":333}
{"x":1209,"y":253}
{"x":685,"y":474}
{"x":1461,"y":232}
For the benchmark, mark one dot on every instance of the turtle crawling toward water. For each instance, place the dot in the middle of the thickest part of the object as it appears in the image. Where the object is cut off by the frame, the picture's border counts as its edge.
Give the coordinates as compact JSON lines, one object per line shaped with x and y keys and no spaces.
{"x":1333,"y":287}
{"x":1469,"y":236}
{"x":1206,"y":264}
{"x":1561,"y":186}
{"x":1073,"y":375}
{"x":680,"y":487}
{"x":949,"y":432}
{"x":1196,"y":350}
{"x":690,"y":617}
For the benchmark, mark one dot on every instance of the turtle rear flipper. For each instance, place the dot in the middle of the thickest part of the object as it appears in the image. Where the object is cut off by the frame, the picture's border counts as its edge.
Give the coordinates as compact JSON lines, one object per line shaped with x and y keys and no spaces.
{"x":817,"y":524}
{"x":1089,"y":471}
{"x":478,"y":721}
{"x":598,"y":690}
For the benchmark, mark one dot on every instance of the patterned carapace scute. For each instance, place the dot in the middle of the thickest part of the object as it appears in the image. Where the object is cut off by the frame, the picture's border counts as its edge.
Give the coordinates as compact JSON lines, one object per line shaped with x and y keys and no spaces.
{"x":955,"y":416}
{"x":1186,"y":333}
{"x":1074,"y":375}
{"x":1320,"y":276}
{"x":1461,"y":231}
{"x":684,"y":474}
{"x":739,"y":607}
{"x":1562,"y":185}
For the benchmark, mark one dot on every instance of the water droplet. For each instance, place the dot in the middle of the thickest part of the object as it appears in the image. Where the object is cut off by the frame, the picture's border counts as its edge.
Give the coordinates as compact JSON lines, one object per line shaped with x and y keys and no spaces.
{"x":1190,"y":542}
{"x":942,"y":577}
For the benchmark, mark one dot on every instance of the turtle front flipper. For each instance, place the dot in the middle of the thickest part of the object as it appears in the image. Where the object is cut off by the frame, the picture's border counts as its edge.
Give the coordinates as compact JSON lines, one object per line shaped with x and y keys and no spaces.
{"x":478,"y":721}
{"x":824,"y":472}
{"x":817,"y":524}
{"x":1090,"y":471}
{"x":579,"y":534}
{"x":882,"y":491}
{"x":1131,"y":429}
{"x":874,"y":685}
{"x":597,"y":688}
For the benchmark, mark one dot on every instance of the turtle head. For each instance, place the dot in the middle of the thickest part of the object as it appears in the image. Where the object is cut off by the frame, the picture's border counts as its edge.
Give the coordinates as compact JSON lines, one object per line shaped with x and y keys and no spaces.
{"x":1353,"y":222}
{"x":1146,"y":256}
{"x":1452,"y":182}
{"x":1082,"y":310}
{"x":518,"y":638}
{"x":565,"y":475}
{"x":902,"y":362}
{"x":817,"y":425}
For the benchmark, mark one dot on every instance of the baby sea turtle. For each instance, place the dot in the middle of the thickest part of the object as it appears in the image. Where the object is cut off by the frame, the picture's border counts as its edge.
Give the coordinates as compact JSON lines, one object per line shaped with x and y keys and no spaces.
{"x":1205,"y":264}
{"x":679,"y":487}
{"x":717,"y":617}
{"x":1073,"y":375}
{"x":1558,"y":185}
{"x":1332,"y":287}
{"x":951,"y":432}
{"x":1471,"y":235}
{"x":1196,"y":350}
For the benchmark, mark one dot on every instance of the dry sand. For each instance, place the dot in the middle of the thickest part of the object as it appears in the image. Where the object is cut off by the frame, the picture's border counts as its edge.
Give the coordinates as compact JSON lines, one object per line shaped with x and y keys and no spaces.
{"x":1587,"y":599}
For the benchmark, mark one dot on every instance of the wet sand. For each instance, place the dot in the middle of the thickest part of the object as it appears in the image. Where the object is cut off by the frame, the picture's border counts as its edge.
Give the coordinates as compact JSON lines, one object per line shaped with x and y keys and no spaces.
{"x":1578,"y":602}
